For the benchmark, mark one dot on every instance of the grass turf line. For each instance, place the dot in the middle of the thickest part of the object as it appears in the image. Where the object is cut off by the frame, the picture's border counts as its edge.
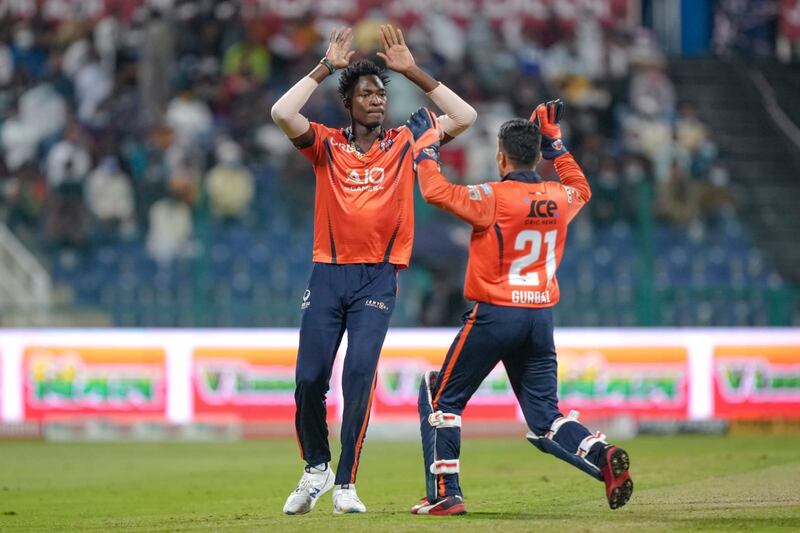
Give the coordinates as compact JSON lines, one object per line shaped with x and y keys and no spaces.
{"x":681,"y":483}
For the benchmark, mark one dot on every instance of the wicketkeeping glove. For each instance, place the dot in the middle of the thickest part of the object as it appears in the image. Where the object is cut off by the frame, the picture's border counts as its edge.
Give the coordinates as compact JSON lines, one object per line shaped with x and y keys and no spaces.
{"x":427,"y":135}
{"x":546,"y":118}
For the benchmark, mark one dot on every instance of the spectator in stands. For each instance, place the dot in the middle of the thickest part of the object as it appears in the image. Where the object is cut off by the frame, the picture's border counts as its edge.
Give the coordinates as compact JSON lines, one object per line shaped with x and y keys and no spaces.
{"x":652,"y":137}
{"x":679,"y":198}
{"x":109,"y":196}
{"x":68,"y":162}
{"x":67,"y":224}
{"x":744,"y":26}
{"x":40,"y":113}
{"x":564,"y":60}
{"x":651,"y":91}
{"x":249,"y":55}
{"x":75,"y":56}
{"x":107,"y":36}
{"x":24,"y":194}
{"x":19,"y":140}
{"x":229,"y":183}
{"x":170,"y":234}
{"x":93,"y":84}
{"x":30,"y":57}
{"x":189,"y":118}
{"x":184,"y":181}
{"x":716,"y":200}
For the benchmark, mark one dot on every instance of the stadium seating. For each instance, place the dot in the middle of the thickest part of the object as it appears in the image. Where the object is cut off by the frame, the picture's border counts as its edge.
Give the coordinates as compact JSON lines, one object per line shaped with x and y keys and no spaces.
{"x":253,"y":276}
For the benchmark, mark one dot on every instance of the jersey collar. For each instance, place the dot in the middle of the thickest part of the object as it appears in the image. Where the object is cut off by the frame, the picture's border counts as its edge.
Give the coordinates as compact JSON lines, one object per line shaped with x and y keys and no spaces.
{"x":351,"y":138}
{"x":525,"y":176}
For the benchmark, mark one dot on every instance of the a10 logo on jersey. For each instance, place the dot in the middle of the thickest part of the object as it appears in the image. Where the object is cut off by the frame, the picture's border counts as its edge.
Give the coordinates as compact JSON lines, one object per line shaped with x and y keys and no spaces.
{"x":368,"y":179}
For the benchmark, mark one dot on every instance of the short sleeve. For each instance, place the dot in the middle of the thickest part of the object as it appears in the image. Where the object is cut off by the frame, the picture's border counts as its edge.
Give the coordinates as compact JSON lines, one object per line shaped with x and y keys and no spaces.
{"x":316,"y":150}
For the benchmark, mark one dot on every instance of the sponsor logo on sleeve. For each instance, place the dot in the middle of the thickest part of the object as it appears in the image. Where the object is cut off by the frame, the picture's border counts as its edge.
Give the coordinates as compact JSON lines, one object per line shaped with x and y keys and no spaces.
{"x":474,"y":192}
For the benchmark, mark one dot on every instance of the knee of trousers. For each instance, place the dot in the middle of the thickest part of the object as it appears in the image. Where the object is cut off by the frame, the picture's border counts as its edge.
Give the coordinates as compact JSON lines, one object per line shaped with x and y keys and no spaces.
{"x":358,"y":378}
{"x":311,"y":382}
{"x":433,"y":418}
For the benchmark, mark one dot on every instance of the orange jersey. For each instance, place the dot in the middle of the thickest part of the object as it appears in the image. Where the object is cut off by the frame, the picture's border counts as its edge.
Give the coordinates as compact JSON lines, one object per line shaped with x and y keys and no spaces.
{"x":519,"y":230}
{"x":364,"y":202}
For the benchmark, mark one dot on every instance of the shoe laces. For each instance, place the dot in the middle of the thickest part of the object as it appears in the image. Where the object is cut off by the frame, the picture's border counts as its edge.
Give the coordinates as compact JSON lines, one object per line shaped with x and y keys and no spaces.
{"x":305,"y":483}
{"x":306,"y":480}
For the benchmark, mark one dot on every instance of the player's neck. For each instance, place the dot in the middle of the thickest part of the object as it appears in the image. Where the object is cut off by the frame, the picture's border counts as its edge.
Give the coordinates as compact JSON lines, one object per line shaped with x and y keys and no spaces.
{"x":364,"y":136}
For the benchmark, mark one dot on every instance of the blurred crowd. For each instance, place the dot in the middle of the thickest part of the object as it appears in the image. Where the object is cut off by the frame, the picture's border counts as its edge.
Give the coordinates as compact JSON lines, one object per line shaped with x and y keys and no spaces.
{"x":128,"y":128}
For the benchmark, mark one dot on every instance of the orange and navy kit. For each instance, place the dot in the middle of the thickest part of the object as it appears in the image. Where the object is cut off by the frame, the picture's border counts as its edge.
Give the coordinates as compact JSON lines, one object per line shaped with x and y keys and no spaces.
{"x":364,"y":204}
{"x":519,"y":233}
{"x":363,"y":231}
{"x":520,"y":228}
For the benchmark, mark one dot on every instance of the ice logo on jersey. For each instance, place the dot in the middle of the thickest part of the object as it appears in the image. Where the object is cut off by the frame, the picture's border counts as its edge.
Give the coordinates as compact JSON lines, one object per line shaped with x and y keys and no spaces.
{"x":543,"y":208}
{"x":306,"y":301}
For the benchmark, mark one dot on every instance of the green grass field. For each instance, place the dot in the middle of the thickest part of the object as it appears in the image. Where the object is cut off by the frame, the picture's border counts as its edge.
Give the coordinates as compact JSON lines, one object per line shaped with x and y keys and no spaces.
{"x":682,"y":483}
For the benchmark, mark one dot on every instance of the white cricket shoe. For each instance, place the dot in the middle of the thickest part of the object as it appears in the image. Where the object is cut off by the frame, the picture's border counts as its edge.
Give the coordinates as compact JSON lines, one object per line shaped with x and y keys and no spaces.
{"x":314,"y":483}
{"x":345,"y":500}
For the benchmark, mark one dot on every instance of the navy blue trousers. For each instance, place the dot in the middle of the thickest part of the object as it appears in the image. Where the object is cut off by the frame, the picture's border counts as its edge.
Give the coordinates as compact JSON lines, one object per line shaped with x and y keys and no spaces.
{"x":522,"y":338}
{"x":360,"y":299}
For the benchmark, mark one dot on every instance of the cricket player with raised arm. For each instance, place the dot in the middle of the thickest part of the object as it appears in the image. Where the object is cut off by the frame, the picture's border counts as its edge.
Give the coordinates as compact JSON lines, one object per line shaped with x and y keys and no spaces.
{"x":363,"y":232}
{"x":519,"y":230}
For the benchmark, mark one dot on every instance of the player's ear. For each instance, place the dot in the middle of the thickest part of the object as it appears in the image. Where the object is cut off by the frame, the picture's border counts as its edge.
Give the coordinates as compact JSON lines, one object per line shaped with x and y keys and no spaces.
{"x":500,"y":157}
{"x":347,"y":103}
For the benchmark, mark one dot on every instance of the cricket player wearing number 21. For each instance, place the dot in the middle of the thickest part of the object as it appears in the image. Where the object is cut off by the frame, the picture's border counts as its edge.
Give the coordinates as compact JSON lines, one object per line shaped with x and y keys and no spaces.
{"x":519,"y":232}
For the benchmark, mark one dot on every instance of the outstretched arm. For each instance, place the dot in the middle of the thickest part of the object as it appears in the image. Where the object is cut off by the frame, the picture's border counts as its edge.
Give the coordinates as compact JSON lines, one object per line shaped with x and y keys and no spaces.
{"x":546,"y":117}
{"x":286,"y":111}
{"x":473,"y":203}
{"x":459,"y":115}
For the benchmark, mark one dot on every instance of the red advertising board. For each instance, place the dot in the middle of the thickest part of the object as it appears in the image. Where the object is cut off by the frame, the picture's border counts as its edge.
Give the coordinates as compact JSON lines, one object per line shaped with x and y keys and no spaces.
{"x":644,"y":382}
{"x":756,"y":381}
{"x":94,"y":381}
{"x":399,"y":375}
{"x":247,"y":384}
{"x":641,"y":381}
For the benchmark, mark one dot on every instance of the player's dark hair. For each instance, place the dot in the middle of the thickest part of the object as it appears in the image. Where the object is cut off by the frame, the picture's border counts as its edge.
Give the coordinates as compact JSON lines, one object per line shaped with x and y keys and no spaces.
{"x":350,"y":75}
{"x":519,"y":140}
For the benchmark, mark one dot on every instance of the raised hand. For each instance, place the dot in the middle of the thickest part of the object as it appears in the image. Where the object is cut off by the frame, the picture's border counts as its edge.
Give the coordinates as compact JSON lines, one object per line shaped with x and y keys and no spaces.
{"x":395,"y":53}
{"x":546,"y":118}
{"x":339,"y":43}
{"x":427,"y":135}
